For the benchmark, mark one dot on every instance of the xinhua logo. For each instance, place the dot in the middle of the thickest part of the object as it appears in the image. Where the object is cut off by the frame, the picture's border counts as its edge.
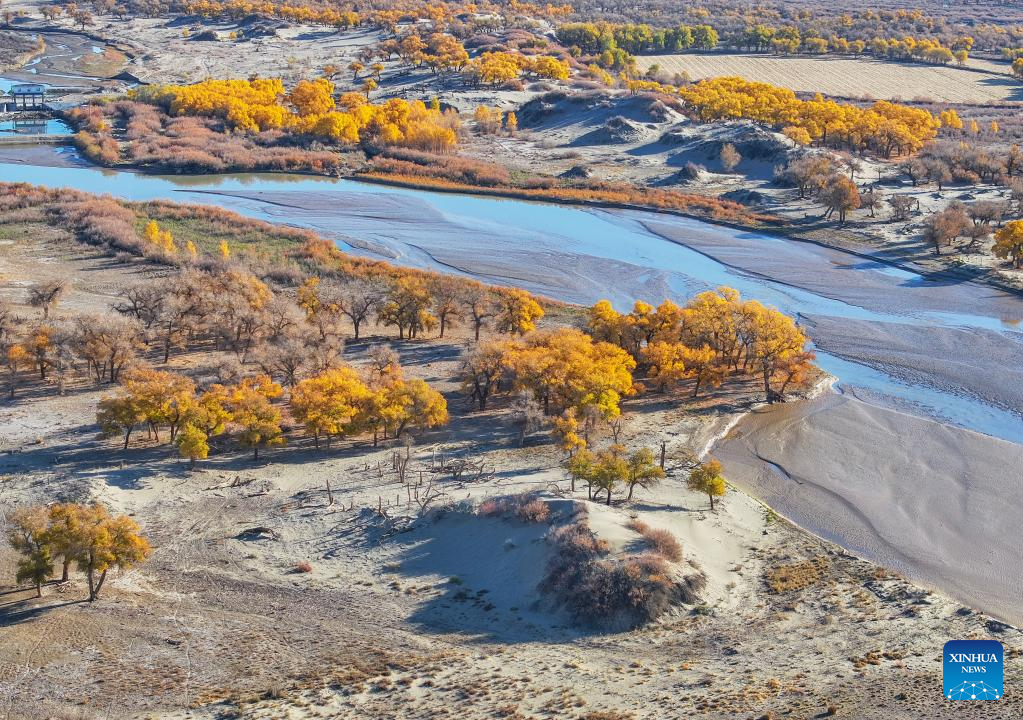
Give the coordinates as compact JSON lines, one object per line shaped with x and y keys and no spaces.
{"x":972,"y":670}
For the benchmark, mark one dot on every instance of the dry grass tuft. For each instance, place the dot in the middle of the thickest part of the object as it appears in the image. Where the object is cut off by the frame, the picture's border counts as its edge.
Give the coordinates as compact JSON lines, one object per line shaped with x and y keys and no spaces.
{"x":790,"y":577}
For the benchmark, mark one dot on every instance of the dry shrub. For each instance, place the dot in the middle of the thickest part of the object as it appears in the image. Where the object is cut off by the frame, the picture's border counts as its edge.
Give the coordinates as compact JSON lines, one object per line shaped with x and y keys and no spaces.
{"x":610,"y":593}
{"x":187,"y":144}
{"x":400,"y":161}
{"x":660,"y":541}
{"x":524,"y":506}
{"x":304,"y":567}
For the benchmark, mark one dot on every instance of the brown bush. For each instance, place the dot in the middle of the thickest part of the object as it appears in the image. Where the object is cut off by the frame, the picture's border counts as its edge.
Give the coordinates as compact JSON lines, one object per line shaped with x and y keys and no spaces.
{"x":524,"y":506}
{"x":304,"y":567}
{"x":661,"y":542}
{"x":611,"y":593}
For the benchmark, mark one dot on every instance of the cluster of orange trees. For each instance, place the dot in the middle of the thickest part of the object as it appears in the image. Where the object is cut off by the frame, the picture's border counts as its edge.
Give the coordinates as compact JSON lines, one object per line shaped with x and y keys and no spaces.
{"x":583,"y":376}
{"x":309,"y":109}
{"x":84,"y":535}
{"x":492,"y":68}
{"x":884,"y":127}
{"x":443,"y":53}
{"x":716,"y":334}
{"x":337,"y":402}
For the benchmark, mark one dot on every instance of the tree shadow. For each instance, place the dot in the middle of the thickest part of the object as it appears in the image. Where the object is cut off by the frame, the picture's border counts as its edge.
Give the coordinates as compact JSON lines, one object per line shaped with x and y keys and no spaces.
{"x":28,"y":609}
{"x":490,"y":569}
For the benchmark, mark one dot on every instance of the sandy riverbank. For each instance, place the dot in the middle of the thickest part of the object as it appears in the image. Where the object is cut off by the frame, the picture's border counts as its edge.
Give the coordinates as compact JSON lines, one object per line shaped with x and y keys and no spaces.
{"x":939,"y":504}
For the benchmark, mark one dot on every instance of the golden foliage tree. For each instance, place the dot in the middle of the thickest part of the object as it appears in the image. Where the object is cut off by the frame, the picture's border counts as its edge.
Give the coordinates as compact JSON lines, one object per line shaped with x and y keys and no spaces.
{"x":707,"y":478}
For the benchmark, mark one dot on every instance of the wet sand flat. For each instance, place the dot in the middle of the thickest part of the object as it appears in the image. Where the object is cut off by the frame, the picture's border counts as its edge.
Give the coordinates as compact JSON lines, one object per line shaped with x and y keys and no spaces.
{"x":939,"y":504}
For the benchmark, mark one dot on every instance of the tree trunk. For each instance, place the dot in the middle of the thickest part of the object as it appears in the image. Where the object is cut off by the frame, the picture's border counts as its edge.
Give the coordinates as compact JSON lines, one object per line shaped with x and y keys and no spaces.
{"x":65,"y":569}
{"x":255,"y":452}
{"x":191,"y":463}
{"x":330,"y":495}
{"x":711,"y":500}
{"x":93,"y":594}
{"x":632,"y":487}
{"x":127,"y":436}
{"x":767,"y":384}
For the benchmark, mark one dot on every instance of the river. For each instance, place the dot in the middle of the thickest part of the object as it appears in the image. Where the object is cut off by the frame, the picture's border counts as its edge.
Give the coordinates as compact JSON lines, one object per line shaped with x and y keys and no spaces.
{"x":944,"y":355}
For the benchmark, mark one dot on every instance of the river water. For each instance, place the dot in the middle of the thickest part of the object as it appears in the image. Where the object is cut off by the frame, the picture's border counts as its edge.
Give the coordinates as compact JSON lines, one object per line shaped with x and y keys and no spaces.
{"x":944,"y":354}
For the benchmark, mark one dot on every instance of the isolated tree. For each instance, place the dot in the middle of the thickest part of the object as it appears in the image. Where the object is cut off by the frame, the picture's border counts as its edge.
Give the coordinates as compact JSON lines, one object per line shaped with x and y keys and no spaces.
{"x":730,"y":157}
{"x":46,"y":295}
{"x":901,"y":206}
{"x":1009,"y":243}
{"x":840,"y":194}
{"x":871,"y":199}
{"x":83,"y":18}
{"x":706,"y":478}
{"x":108,"y":542}
{"x":643,"y":470}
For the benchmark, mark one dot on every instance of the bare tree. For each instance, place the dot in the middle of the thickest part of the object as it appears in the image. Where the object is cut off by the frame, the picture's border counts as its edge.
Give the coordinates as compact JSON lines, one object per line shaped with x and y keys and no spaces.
{"x":480,"y":306}
{"x":901,"y":206}
{"x":871,"y":199}
{"x":46,"y":295}
{"x":730,"y":157}
{"x":942,"y":228}
{"x":357,"y":301}
{"x":527,"y":415}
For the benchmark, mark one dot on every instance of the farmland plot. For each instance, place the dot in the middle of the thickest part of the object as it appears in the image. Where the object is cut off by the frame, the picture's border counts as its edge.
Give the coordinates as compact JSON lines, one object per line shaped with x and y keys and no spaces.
{"x":854,"y":77}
